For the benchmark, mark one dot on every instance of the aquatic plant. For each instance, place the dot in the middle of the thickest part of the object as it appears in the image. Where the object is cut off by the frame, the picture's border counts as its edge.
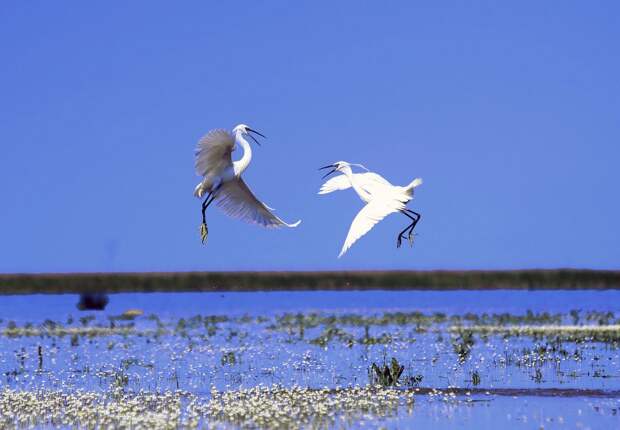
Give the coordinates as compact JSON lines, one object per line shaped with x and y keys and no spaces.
{"x":331,"y":333}
{"x":463,"y":343}
{"x":475,"y":378}
{"x":228,"y":358}
{"x":386,"y":376}
{"x":295,"y":407}
{"x":599,"y":333}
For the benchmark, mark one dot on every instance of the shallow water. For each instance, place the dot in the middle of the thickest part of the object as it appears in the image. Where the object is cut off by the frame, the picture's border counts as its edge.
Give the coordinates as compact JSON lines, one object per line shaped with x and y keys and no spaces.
{"x":54,"y":306}
{"x":194,"y":343}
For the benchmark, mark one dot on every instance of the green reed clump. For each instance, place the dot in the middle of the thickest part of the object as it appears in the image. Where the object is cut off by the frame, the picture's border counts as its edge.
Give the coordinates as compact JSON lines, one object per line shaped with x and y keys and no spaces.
{"x":386,"y":376}
{"x":228,"y":358}
{"x":538,"y":376}
{"x":475,"y":378}
{"x":463,"y":343}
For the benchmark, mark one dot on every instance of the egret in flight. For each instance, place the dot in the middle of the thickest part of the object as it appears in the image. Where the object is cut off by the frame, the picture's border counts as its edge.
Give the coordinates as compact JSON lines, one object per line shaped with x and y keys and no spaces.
{"x":381,"y":198}
{"x":222,"y":180}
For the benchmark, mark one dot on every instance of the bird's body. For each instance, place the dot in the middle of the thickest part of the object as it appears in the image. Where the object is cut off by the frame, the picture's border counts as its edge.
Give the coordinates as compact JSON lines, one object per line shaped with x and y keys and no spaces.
{"x":381,"y":198}
{"x":214,"y":161}
{"x":222,"y":180}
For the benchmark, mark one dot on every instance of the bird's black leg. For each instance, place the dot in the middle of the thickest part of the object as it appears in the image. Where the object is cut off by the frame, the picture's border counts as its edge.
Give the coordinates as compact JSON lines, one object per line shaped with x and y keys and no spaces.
{"x":410,"y":226}
{"x":410,"y":234}
{"x":204,"y":231}
{"x":206,"y":204}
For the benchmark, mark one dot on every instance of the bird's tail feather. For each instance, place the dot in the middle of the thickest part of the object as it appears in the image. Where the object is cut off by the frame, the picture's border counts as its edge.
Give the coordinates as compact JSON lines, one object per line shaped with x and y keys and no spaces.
{"x":415,"y":183}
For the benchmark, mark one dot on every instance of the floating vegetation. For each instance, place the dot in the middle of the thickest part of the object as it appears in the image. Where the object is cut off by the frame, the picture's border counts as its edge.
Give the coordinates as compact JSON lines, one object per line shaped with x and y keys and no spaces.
{"x":262,"y":407}
{"x":572,"y":333}
{"x":331,"y":333}
{"x":71,"y":331}
{"x":415,"y":318}
{"x":43,"y":408}
{"x":278,"y":407}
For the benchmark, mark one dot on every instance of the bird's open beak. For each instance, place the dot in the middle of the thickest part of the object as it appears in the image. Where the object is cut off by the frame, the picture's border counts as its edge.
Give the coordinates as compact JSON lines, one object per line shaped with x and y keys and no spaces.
{"x":330,"y":166}
{"x":253,"y":138}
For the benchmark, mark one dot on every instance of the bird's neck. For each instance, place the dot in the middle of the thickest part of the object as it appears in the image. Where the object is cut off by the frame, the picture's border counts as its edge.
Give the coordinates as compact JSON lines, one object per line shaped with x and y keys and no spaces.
{"x":240,"y":165}
{"x":359,"y":190}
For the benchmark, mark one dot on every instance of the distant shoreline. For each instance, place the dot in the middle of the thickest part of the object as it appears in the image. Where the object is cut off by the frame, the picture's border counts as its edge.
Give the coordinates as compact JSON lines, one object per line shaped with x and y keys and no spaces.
{"x":561,"y":279}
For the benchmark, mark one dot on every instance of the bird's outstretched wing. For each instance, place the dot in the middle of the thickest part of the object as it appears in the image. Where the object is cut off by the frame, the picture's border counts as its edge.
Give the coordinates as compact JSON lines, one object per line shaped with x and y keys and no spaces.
{"x":366,"y":219}
{"x":235,"y":198}
{"x":369,"y":181}
{"x":213,"y":152}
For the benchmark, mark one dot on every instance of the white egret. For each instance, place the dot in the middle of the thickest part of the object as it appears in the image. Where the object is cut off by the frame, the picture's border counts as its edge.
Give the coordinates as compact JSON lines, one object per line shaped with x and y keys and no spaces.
{"x":381,"y":198}
{"x":222,"y":179}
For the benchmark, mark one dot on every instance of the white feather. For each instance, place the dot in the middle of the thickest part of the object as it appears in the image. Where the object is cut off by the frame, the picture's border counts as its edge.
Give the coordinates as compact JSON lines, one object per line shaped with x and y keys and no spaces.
{"x":370,"y":182}
{"x":235,"y":198}
{"x":371,"y":214}
{"x":213,"y":153}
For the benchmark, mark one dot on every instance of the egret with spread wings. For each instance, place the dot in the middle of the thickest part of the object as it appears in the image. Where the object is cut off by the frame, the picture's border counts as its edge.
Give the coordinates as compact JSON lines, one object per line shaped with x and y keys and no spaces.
{"x":222,"y":180}
{"x":381,"y":198}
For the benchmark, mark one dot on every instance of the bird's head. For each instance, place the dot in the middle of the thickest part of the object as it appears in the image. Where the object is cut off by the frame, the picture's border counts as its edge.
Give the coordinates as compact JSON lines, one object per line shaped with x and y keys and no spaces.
{"x":339,"y":166}
{"x":247,"y":131}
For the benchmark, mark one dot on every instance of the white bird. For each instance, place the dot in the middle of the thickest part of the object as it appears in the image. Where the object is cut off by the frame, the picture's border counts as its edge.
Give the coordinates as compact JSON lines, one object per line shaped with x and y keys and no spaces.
{"x":222,"y":179}
{"x":381,"y":198}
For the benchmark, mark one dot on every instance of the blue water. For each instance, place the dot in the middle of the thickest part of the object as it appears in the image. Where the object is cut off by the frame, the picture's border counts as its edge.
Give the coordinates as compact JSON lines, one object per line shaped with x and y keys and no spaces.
{"x":193,"y":359}
{"x":35,"y":308}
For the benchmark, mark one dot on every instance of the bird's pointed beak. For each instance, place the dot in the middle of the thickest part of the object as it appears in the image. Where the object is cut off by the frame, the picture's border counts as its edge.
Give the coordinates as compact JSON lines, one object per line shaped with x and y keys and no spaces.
{"x":254,"y":131}
{"x":253,"y":138}
{"x":330,"y":166}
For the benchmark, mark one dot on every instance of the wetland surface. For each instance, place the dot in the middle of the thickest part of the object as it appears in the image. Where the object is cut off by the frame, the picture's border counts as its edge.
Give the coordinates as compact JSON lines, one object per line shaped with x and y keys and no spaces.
{"x":394,"y":359}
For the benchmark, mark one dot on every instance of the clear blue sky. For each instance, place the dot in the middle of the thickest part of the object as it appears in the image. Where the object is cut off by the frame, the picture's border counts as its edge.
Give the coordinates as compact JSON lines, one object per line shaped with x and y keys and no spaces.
{"x":509,"y":111}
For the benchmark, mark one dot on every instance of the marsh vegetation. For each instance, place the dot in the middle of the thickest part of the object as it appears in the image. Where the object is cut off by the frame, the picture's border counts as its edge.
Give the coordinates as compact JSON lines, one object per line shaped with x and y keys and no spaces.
{"x":323,"y":369}
{"x":96,"y":284}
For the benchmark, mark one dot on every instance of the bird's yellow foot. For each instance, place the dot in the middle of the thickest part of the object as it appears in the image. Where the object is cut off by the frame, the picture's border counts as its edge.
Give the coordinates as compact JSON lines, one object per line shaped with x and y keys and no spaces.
{"x":204,"y":231}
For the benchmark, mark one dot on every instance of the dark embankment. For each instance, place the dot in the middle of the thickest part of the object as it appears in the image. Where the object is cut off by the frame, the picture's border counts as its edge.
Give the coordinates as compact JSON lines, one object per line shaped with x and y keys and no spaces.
{"x":274,"y":281}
